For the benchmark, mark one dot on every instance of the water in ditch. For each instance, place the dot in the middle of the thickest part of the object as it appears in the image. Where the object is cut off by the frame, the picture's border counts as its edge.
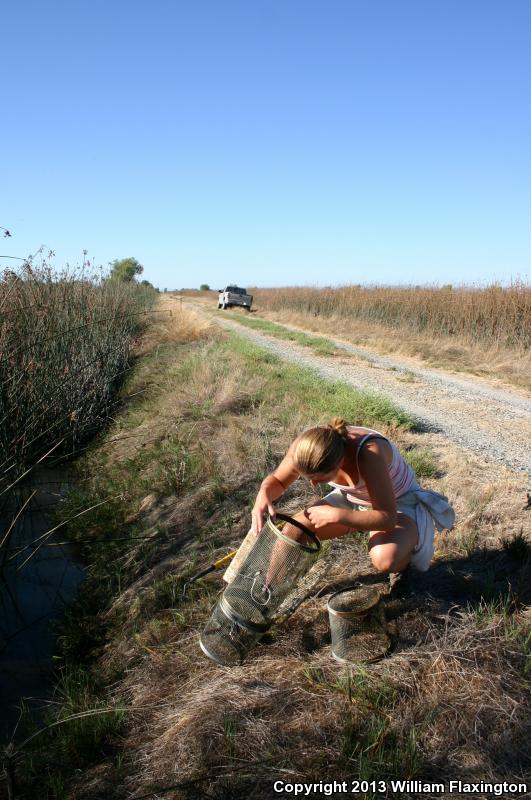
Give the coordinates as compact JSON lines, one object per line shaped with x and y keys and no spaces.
{"x":32,"y":595}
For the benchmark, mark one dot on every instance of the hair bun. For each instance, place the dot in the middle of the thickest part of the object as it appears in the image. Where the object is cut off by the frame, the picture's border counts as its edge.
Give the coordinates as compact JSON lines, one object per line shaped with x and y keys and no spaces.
{"x":339,"y":425}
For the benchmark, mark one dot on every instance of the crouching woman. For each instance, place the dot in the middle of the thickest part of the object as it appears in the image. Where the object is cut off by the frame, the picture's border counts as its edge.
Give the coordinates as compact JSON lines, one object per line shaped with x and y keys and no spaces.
{"x":374,"y":490}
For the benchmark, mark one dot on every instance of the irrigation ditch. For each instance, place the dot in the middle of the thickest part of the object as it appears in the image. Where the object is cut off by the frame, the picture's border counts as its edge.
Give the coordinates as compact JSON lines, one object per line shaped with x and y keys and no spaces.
{"x":39,"y":577}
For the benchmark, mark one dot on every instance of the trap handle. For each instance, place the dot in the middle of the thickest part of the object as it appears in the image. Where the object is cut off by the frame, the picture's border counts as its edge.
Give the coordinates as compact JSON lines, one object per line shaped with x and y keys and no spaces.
{"x":309,"y":533}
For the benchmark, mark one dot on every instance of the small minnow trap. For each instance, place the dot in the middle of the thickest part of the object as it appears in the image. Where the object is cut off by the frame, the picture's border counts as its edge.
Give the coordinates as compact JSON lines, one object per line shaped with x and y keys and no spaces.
{"x":357,"y":625}
{"x":260,"y":583}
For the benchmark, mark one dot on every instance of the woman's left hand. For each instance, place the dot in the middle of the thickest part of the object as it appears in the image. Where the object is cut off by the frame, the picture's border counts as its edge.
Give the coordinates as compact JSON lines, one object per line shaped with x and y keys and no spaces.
{"x":323,"y":515}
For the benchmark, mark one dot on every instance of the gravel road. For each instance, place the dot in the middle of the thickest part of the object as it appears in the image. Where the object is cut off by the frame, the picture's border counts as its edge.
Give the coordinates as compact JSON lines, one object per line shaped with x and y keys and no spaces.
{"x":494,"y":424}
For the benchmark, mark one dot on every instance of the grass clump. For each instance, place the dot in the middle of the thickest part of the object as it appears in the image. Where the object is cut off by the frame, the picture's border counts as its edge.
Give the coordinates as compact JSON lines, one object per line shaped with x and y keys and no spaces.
{"x":374,"y":746}
{"x":518,"y":547}
{"x":375,"y":751}
{"x":423,"y":461}
{"x":319,"y":344}
{"x":81,"y":738}
{"x":80,"y":729}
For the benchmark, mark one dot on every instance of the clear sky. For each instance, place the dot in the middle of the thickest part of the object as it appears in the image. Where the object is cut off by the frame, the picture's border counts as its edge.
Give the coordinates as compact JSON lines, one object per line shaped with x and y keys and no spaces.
{"x":270,"y":142}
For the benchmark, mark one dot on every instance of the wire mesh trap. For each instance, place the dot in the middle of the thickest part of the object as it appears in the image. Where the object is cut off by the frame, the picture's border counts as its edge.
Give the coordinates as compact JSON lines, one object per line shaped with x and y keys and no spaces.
{"x":280,"y":556}
{"x":357,"y":625}
{"x":270,"y":571}
{"x":226,"y":639}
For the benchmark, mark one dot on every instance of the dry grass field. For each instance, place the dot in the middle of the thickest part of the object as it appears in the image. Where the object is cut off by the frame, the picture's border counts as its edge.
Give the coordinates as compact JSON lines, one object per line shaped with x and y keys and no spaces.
{"x":494,"y":315}
{"x":186,"y":458}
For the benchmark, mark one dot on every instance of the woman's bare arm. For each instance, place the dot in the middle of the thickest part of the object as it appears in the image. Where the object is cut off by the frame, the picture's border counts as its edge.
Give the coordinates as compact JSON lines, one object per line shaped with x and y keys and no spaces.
{"x":374,"y":470}
{"x":272,"y":487}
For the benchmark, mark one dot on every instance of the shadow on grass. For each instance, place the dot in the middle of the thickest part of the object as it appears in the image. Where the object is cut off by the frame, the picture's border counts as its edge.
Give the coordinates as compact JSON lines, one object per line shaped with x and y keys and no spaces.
{"x":421,"y":601}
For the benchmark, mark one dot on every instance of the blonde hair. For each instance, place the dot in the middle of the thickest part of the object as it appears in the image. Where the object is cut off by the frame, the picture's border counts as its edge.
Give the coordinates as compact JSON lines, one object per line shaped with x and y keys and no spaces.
{"x":322,"y":448}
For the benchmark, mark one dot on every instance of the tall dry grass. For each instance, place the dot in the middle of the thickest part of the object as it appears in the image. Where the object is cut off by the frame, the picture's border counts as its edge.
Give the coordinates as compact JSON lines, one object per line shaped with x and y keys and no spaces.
{"x":65,"y":342}
{"x":493,"y":315}
{"x":174,"y":323}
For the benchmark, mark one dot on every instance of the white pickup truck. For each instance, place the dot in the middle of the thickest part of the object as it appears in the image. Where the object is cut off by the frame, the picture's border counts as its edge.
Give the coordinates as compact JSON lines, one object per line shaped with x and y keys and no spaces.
{"x":234,"y":296}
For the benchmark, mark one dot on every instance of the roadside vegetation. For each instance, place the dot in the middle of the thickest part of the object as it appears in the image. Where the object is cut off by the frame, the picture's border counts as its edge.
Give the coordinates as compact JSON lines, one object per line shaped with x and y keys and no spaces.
{"x":66,"y":338}
{"x":484,"y":331}
{"x":171,"y":483}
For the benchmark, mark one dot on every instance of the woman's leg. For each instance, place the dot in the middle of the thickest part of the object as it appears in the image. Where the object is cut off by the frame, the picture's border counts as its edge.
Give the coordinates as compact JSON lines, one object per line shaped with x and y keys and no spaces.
{"x":280,"y":553}
{"x":391,"y":551}
{"x":292,"y":532}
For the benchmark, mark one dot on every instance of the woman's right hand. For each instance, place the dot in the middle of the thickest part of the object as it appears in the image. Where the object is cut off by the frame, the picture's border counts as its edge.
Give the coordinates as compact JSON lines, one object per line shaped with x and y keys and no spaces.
{"x":262,"y":505}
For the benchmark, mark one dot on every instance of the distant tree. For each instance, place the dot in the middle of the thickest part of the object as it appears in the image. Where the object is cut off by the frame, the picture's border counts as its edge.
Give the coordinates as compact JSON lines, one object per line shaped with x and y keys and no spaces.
{"x":125,"y":269}
{"x":146,"y":283}
{"x":165,"y":290}
{"x":204,"y":287}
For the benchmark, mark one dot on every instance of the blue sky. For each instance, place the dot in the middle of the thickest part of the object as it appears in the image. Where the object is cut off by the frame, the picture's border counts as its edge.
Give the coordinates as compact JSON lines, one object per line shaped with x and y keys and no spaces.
{"x":270,"y":142}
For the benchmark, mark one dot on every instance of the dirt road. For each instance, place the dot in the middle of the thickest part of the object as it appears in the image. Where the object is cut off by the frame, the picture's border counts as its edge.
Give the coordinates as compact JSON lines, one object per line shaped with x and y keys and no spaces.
{"x":495,"y":424}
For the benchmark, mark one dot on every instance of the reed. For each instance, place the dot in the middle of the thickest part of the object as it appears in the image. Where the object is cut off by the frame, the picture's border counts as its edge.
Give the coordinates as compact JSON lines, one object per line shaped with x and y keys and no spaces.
{"x":494,"y":315}
{"x":65,"y":343}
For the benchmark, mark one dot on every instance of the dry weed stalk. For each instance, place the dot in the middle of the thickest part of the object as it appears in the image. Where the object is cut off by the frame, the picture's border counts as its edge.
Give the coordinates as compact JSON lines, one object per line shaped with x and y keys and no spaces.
{"x":176,"y":324}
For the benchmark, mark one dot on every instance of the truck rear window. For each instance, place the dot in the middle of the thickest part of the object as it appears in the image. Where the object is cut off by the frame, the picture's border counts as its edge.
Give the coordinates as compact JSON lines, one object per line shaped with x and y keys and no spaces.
{"x":236,"y":290}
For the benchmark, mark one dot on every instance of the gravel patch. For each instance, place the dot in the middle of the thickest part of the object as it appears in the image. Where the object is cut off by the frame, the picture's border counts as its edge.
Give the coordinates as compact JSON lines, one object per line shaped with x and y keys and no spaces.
{"x":494,"y":424}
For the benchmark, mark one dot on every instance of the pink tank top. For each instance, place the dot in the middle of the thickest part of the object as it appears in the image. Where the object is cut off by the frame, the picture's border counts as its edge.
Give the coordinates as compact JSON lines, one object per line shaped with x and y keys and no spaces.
{"x":401,"y":474}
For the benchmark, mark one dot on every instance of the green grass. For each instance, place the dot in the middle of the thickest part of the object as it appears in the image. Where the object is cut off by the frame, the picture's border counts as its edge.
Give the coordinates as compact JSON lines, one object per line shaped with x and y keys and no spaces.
{"x":82,"y":739}
{"x":372,"y":746}
{"x":79,"y":733}
{"x":373,"y":743}
{"x":318,"y":397}
{"x":319,"y":344}
{"x":468,"y":541}
{"x":230,"y":728}
{"x":487,"y":610}
{"x":341,"y":683}
{"x":423,"y":462}
{"x":517,"y":630}
{"x":515,"y":626}
{"x":518,"y":547}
